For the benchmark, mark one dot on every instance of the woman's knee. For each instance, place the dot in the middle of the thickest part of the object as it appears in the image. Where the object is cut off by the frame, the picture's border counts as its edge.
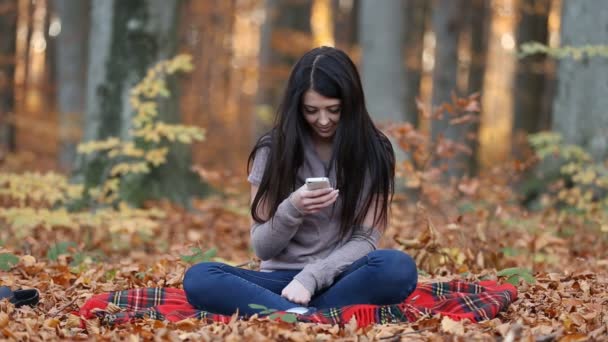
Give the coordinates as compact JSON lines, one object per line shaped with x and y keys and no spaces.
{"x":198,"y":279}
{"x":396,"y":265}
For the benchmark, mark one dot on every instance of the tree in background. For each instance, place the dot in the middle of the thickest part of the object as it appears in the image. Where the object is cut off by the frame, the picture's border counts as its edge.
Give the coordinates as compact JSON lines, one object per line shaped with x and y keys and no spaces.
{"x":8,"y":27}
{"x":479,"y":15}
{"x":381,"y":28}
{"x":286,"y":35}
{"x":70,"y":70}
{"x":447,"y":24}
{"x":416,"y":12}
{"x":345,"y":16}
{"x":530,"y":82}
{"x":126,"y":38}
{"x":580,"y":108}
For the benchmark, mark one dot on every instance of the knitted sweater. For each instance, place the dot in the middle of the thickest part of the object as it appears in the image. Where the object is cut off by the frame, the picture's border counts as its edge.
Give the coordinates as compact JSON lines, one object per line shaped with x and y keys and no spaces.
{"x":312,"y":242}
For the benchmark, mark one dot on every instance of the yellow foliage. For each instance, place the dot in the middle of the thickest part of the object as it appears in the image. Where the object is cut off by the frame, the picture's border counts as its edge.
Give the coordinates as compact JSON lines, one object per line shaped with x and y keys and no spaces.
{"x":602,"y":182}
{"x":98,"y":146}
{"x":28,"y":190}
{"x":23,"y":220}
{"x":107,"y":193}
{"x":570,"y":168}
{"x":145,"y":112}
{"x":158,"y":156}
{"x":127,"y":149}
{"x":575,"y":152}
{"x":111,"y":185}
{"x":160,"y":130}
{"x":125,"y":168}
{"x":37,"y":188}
{"x":574,"y":52}
{"x":589,"y":178}
{"x":135,"y":156}
{"x":586,"y":176}
{"x":125,"y":218}
{"x":37,"y":199}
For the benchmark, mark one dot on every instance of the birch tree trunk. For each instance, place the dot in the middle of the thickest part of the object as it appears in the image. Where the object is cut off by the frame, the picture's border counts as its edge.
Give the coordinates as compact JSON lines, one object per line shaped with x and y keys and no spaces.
{"x":381,"y":30}
{"x":580,"y":108}
{"x":447,"y":25}
{"x":70,"y":70}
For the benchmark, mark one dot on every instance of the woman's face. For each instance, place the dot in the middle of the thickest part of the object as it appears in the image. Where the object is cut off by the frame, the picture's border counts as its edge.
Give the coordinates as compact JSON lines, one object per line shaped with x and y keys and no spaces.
{"x":322,"y":114}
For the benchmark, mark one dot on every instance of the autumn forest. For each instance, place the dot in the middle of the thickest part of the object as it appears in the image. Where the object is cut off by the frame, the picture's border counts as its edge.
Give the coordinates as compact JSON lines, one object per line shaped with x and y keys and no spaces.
{"x":126,"y":127}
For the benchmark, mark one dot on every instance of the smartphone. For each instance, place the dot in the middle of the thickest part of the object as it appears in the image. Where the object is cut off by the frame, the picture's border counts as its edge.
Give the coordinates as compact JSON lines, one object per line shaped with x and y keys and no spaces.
{"x":316,"y":183}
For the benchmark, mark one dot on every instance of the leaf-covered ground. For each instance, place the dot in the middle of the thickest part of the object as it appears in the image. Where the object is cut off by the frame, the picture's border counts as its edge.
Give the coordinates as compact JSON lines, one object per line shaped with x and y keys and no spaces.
{"x":473,"y":237}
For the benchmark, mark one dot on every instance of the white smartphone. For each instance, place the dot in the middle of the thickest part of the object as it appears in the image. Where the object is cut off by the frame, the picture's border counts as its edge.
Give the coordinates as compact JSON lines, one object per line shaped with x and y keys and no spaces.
{"x":315,"y":183}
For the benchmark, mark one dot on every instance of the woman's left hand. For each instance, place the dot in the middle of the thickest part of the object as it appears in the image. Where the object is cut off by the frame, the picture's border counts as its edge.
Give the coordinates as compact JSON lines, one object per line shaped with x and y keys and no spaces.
{"x":296,"y":292}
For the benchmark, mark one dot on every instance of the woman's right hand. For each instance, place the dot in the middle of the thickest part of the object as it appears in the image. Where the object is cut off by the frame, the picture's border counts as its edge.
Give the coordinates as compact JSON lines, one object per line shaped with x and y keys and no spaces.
{"x":311,"y":201}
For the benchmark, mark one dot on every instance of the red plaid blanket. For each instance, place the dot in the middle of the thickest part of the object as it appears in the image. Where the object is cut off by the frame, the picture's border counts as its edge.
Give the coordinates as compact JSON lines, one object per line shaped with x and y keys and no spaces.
{"x":456,"y":299}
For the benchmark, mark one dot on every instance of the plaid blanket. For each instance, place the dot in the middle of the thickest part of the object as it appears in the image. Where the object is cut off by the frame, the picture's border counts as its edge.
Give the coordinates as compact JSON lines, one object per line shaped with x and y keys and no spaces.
{"x":456,"y":299}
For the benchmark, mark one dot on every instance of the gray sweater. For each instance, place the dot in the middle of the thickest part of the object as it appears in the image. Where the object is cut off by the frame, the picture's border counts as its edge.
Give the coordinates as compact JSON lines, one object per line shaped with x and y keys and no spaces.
{"x":310,"y":243}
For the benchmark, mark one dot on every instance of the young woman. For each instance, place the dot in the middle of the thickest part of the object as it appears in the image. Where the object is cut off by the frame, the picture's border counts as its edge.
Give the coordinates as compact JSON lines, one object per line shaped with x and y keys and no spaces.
{"x":318,"y":247}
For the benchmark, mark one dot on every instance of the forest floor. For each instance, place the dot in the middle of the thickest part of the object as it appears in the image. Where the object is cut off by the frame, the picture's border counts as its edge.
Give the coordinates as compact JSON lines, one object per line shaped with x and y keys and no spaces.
{"x":565,"y":298}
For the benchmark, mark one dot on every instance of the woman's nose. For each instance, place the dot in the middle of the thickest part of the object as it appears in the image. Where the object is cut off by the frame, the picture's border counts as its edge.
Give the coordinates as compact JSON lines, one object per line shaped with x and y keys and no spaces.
{"x":323,"y":118}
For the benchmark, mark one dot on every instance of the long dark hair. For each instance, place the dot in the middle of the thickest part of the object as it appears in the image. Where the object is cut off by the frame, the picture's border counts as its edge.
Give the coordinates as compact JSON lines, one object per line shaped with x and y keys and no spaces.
{"x":360,"y":150}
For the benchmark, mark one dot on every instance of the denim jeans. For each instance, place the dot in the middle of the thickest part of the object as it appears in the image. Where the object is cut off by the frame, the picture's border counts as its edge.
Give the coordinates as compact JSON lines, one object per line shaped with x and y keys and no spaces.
{"x":381,"y":277}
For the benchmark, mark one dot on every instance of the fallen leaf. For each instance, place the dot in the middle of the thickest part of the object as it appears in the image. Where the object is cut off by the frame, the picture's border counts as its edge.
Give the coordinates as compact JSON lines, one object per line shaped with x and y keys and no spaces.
{"x":51,"y":323}
{"x":4,"y":319}
{"x":28,"y":260}
{"x":351,"y":327}
{"x":453,"y":327}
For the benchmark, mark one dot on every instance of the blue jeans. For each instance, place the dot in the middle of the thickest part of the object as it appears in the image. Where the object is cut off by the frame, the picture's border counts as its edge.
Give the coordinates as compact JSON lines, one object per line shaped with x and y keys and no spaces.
{"x":381,"y":277}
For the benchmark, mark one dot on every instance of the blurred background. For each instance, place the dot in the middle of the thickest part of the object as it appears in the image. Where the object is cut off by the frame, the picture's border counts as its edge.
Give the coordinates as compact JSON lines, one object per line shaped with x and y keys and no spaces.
{"x":66,"y":67}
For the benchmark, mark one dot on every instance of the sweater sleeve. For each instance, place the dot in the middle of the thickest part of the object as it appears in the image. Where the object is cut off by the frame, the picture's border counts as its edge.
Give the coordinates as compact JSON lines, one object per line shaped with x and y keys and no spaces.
{"x":259,"y":165}
{"x":321,"y":273}
{"x":269,"y":238}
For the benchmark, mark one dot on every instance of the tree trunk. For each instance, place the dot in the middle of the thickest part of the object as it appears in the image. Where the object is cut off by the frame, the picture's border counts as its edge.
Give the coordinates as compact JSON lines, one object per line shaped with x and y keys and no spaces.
{"x":479,"y":17}
{"x":415,"y":27}
{"x":8,"y":32}
{"x":580,"y":110}
{"x":286,"y":36}
{"x":381,"y":29}
{"x":530,"y":80}
{"x":478,"y":21}
{"x":447,"y":25}
{"x":345,"y":23}
{"x":216,"y":85}
{"x":128,"y":38}
{"x":70,"y":66}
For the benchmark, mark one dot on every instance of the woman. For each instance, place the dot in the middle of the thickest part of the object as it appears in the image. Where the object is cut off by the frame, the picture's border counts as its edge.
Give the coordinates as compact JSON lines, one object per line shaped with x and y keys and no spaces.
{"x":318,"y":247}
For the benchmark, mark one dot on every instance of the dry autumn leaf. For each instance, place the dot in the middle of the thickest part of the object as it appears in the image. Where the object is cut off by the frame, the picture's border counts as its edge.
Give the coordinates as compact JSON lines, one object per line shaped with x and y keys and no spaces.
{"x":471,"y":239}
{"x":452,"y":327}
{"x":4,"y":319}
